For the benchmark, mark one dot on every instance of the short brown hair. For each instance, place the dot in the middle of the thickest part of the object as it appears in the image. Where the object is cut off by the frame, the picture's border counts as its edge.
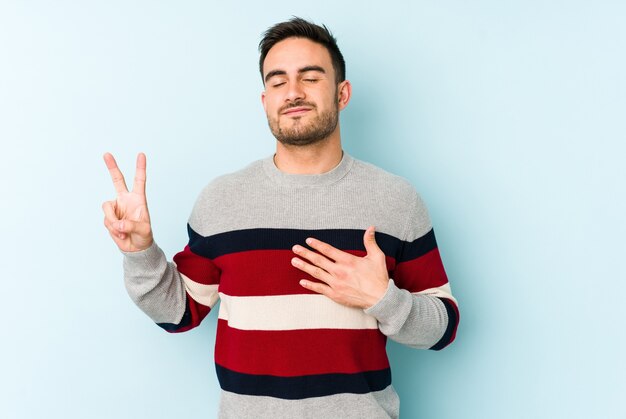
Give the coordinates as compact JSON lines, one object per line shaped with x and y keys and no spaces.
{"x":299,"y":28}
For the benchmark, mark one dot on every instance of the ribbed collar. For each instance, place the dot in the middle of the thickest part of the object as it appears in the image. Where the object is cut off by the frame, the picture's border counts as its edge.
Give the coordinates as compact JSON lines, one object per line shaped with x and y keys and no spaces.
{"x":288,"y":179}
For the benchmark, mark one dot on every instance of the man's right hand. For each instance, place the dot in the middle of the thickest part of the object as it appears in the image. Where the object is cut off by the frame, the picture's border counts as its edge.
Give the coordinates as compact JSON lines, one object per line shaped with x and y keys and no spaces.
{"x":127,"y":217}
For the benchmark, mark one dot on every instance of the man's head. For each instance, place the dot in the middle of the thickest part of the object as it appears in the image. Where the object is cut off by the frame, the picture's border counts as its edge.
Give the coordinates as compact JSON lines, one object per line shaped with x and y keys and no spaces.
{"x":300,"y":28}
{"x":304,"y":77}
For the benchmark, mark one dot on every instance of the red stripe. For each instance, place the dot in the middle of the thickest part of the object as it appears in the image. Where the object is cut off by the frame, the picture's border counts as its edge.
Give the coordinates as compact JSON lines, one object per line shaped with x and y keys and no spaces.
{"x":424,"y":272}
{"x":197,"y":268}
{"x":265,"y":272}
{"x":291,"y":353}
{"x":197,"y":312}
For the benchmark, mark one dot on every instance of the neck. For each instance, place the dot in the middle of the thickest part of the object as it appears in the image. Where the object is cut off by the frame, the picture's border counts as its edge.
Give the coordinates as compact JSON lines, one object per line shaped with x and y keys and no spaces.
{"x":312,"y":159}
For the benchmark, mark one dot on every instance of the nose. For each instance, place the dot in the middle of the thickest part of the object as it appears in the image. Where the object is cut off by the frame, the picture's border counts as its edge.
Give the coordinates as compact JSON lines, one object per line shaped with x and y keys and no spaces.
{"x":295,"y":92}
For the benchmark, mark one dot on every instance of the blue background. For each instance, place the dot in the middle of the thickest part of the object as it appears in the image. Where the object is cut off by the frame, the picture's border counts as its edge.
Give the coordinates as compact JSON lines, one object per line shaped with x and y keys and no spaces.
{"x":508,"y":117}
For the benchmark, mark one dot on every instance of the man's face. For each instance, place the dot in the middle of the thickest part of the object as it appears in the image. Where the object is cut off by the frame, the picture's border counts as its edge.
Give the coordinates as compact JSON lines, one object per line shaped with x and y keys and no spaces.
{"x":301,"y":97}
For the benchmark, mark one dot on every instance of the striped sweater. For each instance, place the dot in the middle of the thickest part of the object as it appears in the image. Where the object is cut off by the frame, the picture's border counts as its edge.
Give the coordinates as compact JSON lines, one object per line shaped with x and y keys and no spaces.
{"x":282,"y":351}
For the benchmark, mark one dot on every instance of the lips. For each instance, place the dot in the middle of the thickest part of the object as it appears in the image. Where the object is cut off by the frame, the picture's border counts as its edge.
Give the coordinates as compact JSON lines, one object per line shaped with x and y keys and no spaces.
{"x":296,"y":111}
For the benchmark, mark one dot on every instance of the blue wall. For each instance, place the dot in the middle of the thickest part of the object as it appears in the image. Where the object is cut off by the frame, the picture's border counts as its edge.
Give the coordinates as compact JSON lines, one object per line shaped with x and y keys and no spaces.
{"x":508,"y":117}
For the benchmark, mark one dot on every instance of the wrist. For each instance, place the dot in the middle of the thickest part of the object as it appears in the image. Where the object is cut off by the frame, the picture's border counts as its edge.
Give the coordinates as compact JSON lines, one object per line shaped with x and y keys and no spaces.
{"x":377,"y":295}
{"x":395,"y":304}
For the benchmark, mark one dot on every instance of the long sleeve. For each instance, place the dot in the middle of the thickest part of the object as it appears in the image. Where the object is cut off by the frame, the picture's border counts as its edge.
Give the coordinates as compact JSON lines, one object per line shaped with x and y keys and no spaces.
{"x":418,"y":308}
{"x":176,"y":295}
{"x":163,"y":291}
{"x":154,"y":284}
{"x":416,"y":320}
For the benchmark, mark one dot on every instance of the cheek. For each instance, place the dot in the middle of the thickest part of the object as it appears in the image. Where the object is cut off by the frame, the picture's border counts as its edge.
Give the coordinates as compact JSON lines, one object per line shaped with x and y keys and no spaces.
{"x":271,"y":105}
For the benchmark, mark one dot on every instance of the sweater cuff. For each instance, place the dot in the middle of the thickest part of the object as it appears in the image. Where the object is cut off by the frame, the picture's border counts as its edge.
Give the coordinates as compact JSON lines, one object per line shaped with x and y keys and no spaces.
{"x":393,"y":308}
{"x":148,"y":258}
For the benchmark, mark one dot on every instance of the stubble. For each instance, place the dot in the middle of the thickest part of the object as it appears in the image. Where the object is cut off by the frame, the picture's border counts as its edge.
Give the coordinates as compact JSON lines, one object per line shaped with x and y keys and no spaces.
{"x":303,"y":133}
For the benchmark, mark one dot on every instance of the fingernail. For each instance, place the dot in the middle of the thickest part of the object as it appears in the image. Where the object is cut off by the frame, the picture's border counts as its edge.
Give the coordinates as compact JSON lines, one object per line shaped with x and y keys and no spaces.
{"x":303,"y":283}
{"x":309,"y":240}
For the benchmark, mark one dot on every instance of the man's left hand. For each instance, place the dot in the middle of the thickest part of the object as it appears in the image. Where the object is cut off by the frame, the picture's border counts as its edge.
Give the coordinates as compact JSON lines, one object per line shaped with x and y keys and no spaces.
{"x":346,"y":279}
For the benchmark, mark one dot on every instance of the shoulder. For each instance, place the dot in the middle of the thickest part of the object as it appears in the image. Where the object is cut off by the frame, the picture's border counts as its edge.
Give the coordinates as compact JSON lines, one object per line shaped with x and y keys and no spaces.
{"x":402,"y":202}
{"x":394,"y":187}
{"x":217,"y":196}
{"x":225,"y":183}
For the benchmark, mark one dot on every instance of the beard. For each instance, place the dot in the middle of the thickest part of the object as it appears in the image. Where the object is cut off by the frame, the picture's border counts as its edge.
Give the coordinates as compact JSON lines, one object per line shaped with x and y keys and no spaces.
{"x":299,"y":133}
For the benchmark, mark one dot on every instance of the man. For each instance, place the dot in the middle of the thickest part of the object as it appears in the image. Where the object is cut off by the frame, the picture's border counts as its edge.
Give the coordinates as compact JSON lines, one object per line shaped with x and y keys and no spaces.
{"x":309,"y":291}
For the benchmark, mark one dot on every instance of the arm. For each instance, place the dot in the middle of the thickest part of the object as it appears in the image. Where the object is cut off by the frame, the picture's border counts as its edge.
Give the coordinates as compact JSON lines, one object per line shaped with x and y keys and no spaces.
{"x":419,"y":311}
{"x":166,"y":292}
{"x":178,"y":295}
{"x":418,"y":308}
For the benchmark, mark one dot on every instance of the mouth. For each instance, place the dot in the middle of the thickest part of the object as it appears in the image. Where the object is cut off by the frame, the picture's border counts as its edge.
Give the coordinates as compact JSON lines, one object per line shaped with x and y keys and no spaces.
{"x":296,"y":111}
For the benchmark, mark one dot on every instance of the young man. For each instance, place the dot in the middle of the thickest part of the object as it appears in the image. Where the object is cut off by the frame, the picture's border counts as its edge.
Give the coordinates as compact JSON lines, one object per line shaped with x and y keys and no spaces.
{"x":309,"y":290}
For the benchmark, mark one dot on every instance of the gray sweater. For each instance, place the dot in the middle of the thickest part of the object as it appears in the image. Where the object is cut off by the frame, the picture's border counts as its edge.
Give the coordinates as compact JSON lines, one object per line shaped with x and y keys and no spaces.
{"x":283,"y":351}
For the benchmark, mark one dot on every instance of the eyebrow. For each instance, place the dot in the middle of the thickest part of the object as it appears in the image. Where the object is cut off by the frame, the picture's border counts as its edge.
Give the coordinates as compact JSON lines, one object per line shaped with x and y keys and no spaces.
{"x":300,"y":71}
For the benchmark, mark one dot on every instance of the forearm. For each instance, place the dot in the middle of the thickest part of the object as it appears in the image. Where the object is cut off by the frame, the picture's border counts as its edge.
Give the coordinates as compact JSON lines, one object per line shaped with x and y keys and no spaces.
{"x":155,"y":285}
{"x":416,"y":320}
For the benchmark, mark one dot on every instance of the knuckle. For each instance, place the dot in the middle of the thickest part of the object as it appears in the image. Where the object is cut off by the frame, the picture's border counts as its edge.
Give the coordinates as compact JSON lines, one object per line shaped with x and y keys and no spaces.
{"x":339,"y":287}
{"x":323,"y":291}
{"x":333,"y":296}
{"x":316,"y":258}
{"x":342,"y":274}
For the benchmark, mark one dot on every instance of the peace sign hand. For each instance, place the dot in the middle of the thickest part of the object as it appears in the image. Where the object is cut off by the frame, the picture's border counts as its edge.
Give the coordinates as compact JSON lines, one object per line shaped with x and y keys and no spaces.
{"x":127,"y":217}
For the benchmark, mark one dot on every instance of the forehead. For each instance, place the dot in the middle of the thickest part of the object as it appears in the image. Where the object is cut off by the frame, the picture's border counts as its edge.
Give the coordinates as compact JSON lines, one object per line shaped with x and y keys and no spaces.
{"x":294,"y":53}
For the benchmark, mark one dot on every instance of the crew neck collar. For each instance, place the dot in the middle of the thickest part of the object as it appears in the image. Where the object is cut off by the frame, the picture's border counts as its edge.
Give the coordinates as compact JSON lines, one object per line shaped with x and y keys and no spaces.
{"x":321,"y":179}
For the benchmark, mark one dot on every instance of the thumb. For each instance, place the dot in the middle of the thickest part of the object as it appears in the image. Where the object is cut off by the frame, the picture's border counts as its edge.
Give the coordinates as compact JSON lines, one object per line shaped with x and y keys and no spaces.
{"x":369,"y":240}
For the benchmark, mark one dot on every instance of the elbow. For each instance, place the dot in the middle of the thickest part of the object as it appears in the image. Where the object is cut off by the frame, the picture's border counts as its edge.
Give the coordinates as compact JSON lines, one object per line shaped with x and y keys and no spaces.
{"x":453,"y":322}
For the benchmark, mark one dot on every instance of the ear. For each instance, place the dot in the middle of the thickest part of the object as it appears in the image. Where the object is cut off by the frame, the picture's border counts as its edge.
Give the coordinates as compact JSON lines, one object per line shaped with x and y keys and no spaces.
{"x":344,"y":93}
{"x":263,"y":100}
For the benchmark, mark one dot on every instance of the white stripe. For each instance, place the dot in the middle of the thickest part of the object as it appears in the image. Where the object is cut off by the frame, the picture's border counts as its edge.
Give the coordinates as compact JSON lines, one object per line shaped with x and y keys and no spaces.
{"x":443,"y":291}
{"x":291,"y":312}
{"x":204,"y":294}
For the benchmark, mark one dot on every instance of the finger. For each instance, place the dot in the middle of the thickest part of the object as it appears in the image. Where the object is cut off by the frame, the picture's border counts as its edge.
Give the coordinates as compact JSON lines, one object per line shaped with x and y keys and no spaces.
{"x":315,"y":271}
{"x":133,"y":227}
{"x":369,"y":240}
{"x":115,"y":233}
{"x":111,"y":222}
{"x":317,"y":287}
{"x":109,"y":211}
{"x":314,"y":258}
{"x":116,"y":174}
{"x":328,"y":250}
{"x":139,"y":186}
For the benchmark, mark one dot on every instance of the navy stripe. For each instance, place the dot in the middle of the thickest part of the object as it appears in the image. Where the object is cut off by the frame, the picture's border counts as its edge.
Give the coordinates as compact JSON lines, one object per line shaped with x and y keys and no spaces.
{"x":418,"y":247}
{"x":296,"y":388}
{"x":452,"y":323}
{"x":184,"y":322}
{"x":283,"y":239}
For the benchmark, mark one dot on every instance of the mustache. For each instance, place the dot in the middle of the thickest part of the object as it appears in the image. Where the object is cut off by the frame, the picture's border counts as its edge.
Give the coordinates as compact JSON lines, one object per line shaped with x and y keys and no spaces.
{"x":296,"y":104}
